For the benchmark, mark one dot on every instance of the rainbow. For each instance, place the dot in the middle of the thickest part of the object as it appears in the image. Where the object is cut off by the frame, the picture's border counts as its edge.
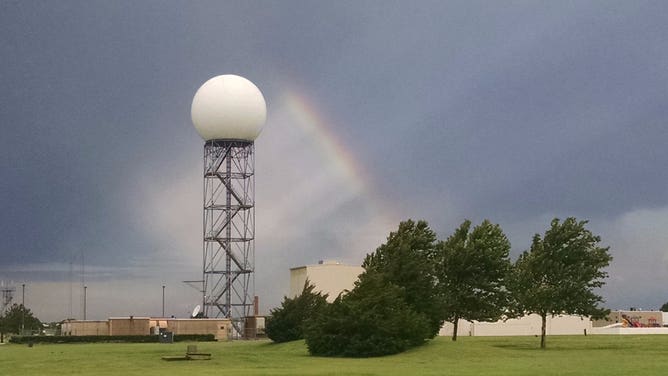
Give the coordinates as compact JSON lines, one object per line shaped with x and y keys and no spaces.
{"x":340,"y":180}
{"x":311,"y":121}
{"x":315,"y":126}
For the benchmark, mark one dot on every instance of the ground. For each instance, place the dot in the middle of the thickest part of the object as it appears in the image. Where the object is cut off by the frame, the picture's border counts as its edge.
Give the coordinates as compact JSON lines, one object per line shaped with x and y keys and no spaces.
{"x":565,"y":355}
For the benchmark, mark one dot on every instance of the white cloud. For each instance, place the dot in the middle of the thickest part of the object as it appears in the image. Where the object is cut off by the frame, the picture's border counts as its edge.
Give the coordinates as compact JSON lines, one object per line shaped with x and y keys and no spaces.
{"x":639,"y":271}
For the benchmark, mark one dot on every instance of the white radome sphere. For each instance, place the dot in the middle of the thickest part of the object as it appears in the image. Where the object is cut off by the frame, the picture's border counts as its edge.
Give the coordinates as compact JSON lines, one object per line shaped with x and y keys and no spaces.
{"x":228,"y":107}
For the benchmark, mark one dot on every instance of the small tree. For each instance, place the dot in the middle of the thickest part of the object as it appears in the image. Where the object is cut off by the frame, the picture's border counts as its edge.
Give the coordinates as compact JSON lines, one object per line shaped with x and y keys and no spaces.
{"x":287,"y":321}
{"x":16,"y":317}
{"x":371,"y":320}
{"x":3,"y":327}
{"x":558,"y":274}
{"x":473,"y":266}
{"x":407,"y":260}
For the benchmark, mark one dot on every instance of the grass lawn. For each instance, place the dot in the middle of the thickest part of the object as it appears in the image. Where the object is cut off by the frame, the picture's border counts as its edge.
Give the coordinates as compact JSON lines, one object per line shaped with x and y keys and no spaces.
{"x":565,"y":355}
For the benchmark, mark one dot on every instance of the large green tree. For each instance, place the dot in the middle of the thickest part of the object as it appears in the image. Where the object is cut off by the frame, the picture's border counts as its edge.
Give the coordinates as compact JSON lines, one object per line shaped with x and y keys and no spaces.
{"x":559,"y":273}
{"x":407,"y":260}
{"x":286,"y":322}
{"x":18,"y":317}
{"x":664,"y":307}
{"x":472,"y":271}
{"x":371,"y":320}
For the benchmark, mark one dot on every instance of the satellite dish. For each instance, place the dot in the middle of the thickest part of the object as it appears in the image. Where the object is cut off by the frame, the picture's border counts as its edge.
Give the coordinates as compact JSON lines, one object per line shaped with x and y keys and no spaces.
{"x":196,"y":310}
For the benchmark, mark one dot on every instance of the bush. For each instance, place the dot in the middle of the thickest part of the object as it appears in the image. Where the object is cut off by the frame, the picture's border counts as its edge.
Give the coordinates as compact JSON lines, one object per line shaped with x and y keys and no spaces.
{"x":287,"y":321}
{"x":372,"y":320}
{"x":109,"y":339}
{"x":194,"y":338}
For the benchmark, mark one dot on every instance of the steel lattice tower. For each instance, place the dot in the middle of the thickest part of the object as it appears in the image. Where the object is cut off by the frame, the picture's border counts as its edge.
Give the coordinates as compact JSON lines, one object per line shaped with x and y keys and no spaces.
{"x":229,"y":229}
{"x":7,"y":297}
{"x":228,"y":112}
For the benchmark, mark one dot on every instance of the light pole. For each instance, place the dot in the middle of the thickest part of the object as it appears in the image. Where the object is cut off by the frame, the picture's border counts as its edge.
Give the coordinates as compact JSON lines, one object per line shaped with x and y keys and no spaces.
{"x":85,"y":288}
{"x":163,"y":300}
{"x":23,"y":307}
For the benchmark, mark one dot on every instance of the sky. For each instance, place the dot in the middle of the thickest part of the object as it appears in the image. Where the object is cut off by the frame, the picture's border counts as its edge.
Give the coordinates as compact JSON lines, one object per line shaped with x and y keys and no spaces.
{"x":378,"y":111}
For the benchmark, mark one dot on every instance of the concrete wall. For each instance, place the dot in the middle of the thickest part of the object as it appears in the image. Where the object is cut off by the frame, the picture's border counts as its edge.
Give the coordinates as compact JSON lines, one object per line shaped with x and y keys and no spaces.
{"x":156,"y":324}
{"x":632,"y":331}
{"x":297,"y":279}
{"x":329,"y":277}
{"x":85,"y":328}
{"x":525,"y":326}
{"x":129,"y":326}
{"x":464,"y":328}
{"x":254,"y":327}
{"x":220,"y":328}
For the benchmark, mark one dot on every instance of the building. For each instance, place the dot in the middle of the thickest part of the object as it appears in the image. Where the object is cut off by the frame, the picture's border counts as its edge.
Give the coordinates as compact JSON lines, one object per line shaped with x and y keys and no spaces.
{"x":633,"y":319}
{"x":617,"y":322}
{"x":329,"y":277}
{"x":85,"y":328}
{"x":129,"y":326}
{"x":529,"y":325}
{"x":633,"y":322}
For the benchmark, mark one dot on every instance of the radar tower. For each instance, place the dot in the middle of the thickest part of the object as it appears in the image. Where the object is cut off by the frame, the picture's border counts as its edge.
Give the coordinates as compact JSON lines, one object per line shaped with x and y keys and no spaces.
{"x":228,"y":112}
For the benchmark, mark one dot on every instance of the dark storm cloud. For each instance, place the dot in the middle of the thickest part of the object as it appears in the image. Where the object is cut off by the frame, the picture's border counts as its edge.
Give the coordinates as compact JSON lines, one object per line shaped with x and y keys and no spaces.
{"x":571,"y":115}
{"x":90,"y":102}
{"x":515,"y":111}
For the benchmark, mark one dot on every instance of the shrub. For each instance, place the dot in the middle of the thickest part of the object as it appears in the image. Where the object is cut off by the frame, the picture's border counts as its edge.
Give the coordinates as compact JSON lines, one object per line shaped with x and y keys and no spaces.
{"x":372,"y":320}
{"x":110,"y":339}
{"x":287,"y":321}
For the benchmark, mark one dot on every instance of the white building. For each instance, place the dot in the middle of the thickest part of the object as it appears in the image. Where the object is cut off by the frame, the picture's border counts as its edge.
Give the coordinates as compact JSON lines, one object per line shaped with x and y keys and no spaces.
{"x":529,"y":325}
{"x":328,"y":277}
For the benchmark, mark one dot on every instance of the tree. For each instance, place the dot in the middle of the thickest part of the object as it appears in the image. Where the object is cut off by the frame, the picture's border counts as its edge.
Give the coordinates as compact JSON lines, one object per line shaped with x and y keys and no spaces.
{"x":371,"y":320}
{"x":16,"y":317}
{"x":407,"y":260}
{"x":473,"y":266}
{"x":287,"y":321}
{"x":664,"y":307}
{"x":559,"y":273}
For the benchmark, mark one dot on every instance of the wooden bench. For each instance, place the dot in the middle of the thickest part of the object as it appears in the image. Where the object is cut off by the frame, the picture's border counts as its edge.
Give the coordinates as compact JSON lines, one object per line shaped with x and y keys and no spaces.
{"x":191,"y":354}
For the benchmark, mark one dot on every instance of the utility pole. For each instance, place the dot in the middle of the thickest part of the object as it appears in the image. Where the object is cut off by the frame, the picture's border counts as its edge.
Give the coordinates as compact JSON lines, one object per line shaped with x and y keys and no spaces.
{"x":163,"y":300}
{"x":85,"y":288}
{"x":23,"y":307}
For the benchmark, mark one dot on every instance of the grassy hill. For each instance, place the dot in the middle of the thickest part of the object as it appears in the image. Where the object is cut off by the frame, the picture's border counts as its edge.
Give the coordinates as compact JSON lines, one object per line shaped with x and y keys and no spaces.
{"x":565,"y":355}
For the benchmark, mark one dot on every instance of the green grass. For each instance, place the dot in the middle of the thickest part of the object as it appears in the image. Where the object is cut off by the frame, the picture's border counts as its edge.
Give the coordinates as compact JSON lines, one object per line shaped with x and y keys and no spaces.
{"x":592,"y":355}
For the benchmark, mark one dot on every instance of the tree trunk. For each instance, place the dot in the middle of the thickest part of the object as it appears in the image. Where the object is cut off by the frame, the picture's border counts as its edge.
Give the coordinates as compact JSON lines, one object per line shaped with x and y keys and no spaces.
{"x":454,"y":328}
{"x":543,"y":317}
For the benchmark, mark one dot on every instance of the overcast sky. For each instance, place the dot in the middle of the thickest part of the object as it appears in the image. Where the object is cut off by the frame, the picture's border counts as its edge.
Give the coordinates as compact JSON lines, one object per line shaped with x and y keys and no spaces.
{"x":378,"y":111}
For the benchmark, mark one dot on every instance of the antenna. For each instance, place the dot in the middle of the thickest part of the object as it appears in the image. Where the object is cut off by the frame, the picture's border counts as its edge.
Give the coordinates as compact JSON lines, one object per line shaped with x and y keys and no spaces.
{"x":7,"y":296}
{"x":83,"y":285}
{"x":71,"y":275}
